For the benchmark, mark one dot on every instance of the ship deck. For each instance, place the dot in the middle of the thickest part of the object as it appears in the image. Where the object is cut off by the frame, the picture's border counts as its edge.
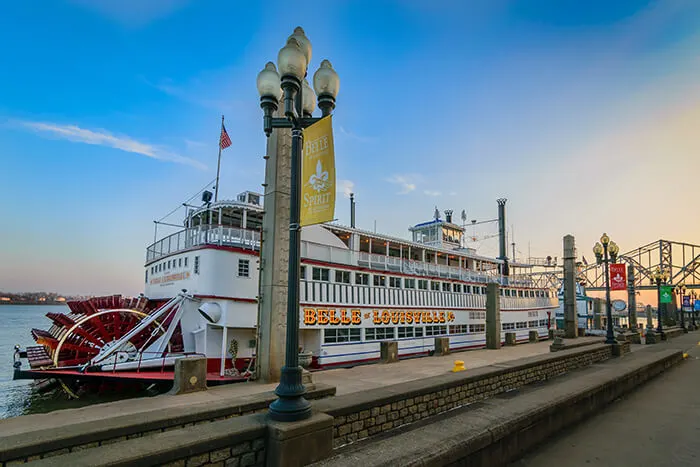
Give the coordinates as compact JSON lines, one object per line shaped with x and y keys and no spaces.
{"x":133,"y":376}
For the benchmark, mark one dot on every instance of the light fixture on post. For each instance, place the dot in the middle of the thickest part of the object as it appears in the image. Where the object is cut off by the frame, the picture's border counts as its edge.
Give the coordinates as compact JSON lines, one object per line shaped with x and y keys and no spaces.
{"x":291,"y":85}
{"x":680,"y":293}
{"x":659,"y":277}
{"x":606,"y":252}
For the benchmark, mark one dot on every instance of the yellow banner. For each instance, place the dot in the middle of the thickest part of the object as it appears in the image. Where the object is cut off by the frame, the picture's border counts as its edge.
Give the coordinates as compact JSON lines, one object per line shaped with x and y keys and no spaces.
{"x":318,"y":173}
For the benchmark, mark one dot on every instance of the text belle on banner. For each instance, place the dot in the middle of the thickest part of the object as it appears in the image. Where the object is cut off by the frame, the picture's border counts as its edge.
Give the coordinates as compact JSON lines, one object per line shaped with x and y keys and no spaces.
{"x":318,"y":173}
{"x":618,"y":277}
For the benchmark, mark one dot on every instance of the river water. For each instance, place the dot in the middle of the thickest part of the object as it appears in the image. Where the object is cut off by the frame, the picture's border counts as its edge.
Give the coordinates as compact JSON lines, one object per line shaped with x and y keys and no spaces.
{"x":19,"y":397}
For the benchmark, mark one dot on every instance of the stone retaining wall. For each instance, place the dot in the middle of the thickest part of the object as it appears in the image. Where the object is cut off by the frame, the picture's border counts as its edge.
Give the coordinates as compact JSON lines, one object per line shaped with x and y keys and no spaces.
{"x":362,"y":415}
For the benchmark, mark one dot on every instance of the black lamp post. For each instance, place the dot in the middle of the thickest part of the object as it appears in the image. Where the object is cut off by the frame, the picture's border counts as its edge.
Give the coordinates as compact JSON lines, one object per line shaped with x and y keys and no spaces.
{"x":680,"y":292}
{"x":293,"y":60}
{"x":660,"y":277}
{"x":605,"y":254}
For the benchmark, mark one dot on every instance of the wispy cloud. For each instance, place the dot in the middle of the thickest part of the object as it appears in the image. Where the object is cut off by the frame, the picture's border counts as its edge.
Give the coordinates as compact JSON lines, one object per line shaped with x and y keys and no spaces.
{"x":351,"y":135}
{"x":104,"y":138}
{"x":133,"y":13}
{"x":345,"y":187}
{"x":432,"y":193}
{"x":405,"y":183}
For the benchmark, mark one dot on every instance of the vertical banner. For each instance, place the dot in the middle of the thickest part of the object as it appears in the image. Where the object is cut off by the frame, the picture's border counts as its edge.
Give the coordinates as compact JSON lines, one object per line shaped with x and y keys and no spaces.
{"x":666,"y":294}
{"x":618,"y":277}
{"x":686,"y":303}
{"x":696,"y":305}
{"x":318,"y":173}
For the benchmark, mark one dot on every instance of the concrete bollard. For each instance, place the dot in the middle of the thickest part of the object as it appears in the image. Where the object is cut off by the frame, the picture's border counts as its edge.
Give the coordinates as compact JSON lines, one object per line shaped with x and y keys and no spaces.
{"x":442,"y":346}
{"x":389,"y":351}
{"x":510,"y":338}
{"x":190,"y":375}
{"x":581,"y":332}
{"x":534,"y":336}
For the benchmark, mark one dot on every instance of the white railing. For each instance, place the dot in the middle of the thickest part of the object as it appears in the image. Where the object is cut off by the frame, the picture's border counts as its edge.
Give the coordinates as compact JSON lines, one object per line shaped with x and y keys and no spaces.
{"x":203,"y":235}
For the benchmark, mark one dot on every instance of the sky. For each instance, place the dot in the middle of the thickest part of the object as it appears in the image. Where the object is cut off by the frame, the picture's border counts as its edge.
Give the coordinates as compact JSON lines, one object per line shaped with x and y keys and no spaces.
{"x":583,"y":114}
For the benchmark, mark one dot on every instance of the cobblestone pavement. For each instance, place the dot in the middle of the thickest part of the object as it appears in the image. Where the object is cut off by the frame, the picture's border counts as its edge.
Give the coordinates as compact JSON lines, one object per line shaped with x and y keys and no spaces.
{"x":657,"y":425}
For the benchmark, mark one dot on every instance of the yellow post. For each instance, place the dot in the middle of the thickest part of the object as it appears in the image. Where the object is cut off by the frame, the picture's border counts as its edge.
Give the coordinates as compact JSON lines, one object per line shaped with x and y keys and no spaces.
{"x":459,"y":366}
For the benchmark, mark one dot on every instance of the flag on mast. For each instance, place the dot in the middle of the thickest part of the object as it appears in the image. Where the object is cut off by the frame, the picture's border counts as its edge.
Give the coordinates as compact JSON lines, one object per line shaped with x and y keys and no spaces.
{"x":224,"y":140}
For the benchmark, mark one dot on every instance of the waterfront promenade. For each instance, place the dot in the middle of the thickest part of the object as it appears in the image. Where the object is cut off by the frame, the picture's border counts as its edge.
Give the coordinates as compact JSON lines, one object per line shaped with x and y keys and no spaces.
{"x":658,"y":424}
{"x":345,"y":381}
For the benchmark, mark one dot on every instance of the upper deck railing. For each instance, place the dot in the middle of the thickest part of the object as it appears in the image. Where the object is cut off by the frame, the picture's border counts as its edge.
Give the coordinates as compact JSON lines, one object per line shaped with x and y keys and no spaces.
{"x":203,"y":235}
{"x":250,"y":239}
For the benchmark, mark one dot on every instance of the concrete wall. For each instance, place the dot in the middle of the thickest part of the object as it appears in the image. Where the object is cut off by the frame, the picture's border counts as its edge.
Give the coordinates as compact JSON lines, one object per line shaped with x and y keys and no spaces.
{"x":366,"y":414}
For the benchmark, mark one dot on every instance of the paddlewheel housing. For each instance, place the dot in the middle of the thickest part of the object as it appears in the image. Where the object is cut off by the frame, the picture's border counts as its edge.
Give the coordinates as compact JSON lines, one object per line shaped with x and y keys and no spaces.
{"x":95,"y":324}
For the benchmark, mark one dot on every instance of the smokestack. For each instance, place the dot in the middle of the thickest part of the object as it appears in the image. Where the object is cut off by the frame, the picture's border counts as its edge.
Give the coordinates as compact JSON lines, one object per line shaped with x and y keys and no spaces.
{"x":352,"y":210}
{"x":448,"y":215}
{"x":502,"y":252}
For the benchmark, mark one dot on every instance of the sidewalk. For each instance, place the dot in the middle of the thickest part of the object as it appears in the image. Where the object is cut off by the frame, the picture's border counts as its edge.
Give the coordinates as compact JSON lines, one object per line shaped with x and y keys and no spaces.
{"x":346,"y":380}
{"x":656,"y":425}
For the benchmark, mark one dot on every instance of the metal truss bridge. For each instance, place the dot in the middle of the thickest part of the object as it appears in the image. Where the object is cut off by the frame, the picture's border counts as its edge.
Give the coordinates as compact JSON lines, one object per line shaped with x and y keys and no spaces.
{"x":681,"y":260}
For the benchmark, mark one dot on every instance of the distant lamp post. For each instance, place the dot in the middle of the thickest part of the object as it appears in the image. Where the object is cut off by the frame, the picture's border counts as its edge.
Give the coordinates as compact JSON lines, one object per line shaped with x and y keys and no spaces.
{"x":606,"y":252}
{"x":290,"y":85}
{"x":680,"y":293}
{"x":660,"y":277}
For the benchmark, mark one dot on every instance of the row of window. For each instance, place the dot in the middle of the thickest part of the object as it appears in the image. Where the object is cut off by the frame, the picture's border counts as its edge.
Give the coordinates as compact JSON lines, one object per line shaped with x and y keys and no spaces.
{"x":380,"y":280}
{"x":333,"y":336}
{"x":170,"y":264}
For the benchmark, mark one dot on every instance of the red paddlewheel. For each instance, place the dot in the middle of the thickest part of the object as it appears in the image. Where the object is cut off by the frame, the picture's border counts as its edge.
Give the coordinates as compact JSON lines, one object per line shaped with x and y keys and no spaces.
{"x":77,"y":337}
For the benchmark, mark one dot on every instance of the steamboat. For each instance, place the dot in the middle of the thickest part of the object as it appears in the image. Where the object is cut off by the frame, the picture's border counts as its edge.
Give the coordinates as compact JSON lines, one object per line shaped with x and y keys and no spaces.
{"x":357,"y":288}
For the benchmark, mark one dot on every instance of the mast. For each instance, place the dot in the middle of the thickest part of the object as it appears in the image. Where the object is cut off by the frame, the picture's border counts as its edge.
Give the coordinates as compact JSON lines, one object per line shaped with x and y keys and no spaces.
{"x":218,"y":163}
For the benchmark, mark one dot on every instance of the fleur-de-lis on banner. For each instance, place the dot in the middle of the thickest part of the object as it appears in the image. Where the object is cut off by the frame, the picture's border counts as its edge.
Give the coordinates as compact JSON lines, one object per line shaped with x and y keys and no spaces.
{"x":319,"y":180}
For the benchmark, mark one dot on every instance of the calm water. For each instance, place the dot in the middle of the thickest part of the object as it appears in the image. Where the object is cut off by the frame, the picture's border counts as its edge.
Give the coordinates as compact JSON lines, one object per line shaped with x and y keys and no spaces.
{"x":19,"y":397}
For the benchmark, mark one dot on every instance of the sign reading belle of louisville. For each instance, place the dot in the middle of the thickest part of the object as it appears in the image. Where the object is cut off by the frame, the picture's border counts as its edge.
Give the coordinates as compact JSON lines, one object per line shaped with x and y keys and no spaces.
{"x":318,"y":174}
{"x":618,"y":277}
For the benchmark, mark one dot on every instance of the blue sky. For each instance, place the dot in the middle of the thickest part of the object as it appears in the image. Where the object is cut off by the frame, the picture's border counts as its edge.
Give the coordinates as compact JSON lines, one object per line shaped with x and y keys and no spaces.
{"x":583,"y":114}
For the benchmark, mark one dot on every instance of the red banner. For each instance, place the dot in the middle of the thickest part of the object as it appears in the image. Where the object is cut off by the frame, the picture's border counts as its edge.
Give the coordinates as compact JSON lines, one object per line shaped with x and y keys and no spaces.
{"x":618,"y":277}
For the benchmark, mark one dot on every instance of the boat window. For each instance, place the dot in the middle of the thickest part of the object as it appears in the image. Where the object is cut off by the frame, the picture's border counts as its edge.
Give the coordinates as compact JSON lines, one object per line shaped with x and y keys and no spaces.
{"x":342,"y":277}
{"x":409,"y":283}
{"x":543,"y":322}
{"x":434,"y":285}
{"x":422,"y":284}
{"x":361,"y":278}
{"x":418,"y":332}
{"x":196,"y":264}
{"x":508,"y":326}
{"x":522,"y":325}
{"x":477,"y":315}
{"x":379,"y":334}
{"x":446,"y":287}
{"x":320,"y":274}
{"x":435,"y":330}
{"x":532,"y":324}
{"x":458,"y":329}
{"x":395,"y":282}
{"x":302,"y":273}
{"x":473,"y":328}
{"x":458,"y":288}
{"x":467,"y":289}
{"x":179,"y":263}
{"x":331,"y":336}
{"x":379,"y":281}
{"x":185,"y":261}
{"x":243,"y":268}
{"x":146,"y":276}
{"x":405,"y":331}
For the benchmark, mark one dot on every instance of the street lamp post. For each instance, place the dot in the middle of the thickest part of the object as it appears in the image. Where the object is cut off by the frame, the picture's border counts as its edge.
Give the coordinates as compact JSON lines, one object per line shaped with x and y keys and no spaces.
{"x":293,"y":61}
{"x":660,"y":277}
{"x":680,"y":292}
{"x":605,"y":254}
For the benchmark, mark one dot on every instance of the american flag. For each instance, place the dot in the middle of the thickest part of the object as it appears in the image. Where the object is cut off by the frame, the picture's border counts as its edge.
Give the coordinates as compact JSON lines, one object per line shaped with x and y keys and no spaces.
{"x":224,"y":140}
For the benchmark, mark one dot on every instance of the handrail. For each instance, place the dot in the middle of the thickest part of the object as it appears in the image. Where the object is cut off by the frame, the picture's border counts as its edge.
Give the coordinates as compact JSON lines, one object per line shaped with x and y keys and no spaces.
{"x":203,"y":235}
